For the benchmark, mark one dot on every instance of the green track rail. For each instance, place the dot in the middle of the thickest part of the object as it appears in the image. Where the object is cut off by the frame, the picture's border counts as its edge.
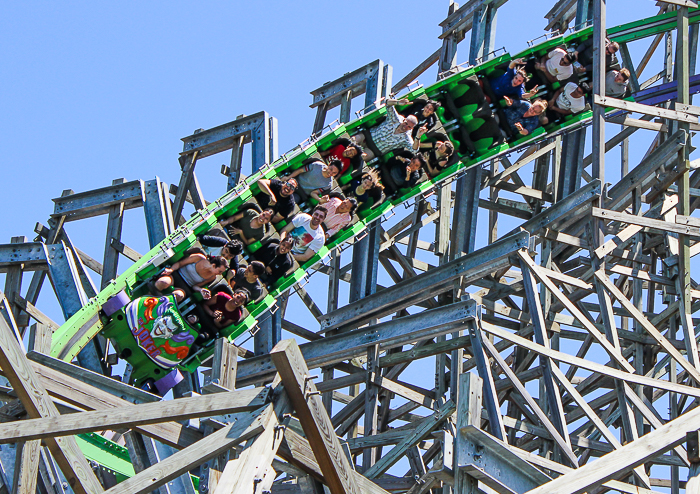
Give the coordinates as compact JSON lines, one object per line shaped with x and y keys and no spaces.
{"x":75,"y":333}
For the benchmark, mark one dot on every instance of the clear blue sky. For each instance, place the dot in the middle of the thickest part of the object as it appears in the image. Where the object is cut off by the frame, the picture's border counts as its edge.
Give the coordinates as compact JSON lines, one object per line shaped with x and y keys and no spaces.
{"x":94,"y":91}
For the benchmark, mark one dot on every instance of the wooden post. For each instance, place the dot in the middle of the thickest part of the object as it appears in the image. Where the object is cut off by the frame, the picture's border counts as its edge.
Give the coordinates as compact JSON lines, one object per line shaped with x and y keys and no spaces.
{"x":24,"y":381}
{"x":223,"y":374}
{"x":313,"y":417}
{"x":27,"y":475}
{"x":468,"y":413}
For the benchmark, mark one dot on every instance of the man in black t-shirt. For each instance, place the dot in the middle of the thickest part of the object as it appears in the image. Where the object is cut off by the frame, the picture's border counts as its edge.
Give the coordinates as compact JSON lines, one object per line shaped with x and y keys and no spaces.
{"x":402,"y":171}
{"x":248,"y":278}
{"x":276,"y":258}
{"x":277,"y":195}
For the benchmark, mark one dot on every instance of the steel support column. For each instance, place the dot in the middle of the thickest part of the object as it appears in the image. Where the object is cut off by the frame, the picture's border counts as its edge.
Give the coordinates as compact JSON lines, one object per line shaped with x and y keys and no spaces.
{"x":71,"y":295}
{"x":365,"y":259}
{"x":584,"y":12}
{"x":270,"y":332}
{"x":571,"y":168}
{"x":483,"y":38}
{"x":115,"y":220}
{"x":156,"y":208}
{"x":465,"y":214}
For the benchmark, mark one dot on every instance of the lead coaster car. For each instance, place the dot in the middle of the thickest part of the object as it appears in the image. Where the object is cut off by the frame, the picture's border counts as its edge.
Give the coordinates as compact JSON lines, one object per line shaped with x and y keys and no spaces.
{"x":154,"y":337}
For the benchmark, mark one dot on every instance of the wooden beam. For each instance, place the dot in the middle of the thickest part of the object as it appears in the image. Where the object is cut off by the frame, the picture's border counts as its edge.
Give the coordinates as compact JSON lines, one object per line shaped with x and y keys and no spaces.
{"x":648,"y":327}
{"x":571,"y":307}
{"x":183,"y":461}
{"x":18,"y":370}
{"x":605,"y":370}
{"x":640,"y":124}
{"x":682,"y":3}
{"x":526,"y":192}
{"x":28,"y":474}
{"x":75,"y":392}
{"x":250,"y":468}
{"x":524,"y":160}
{"x":628,"y":232}
{"x":313,"y":417}
{"x":297,"y":451}
{"x":404,"y":391}
{"x":664,"y":226}
{"x":125,"y":250}
{"x":35,"y":313}
{"x":131,"y":416}
{"x":645,"y":109}
{"x":413,"y":75}
{"x":422,"y":431}
{"x":223,"y":374}
{"x":623,"y":460}
{"x":562,"y":440}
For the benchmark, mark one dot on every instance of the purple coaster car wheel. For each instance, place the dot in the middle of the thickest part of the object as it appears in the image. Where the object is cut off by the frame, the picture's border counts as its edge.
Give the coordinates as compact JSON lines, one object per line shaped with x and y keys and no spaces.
{"x":113,"y":304}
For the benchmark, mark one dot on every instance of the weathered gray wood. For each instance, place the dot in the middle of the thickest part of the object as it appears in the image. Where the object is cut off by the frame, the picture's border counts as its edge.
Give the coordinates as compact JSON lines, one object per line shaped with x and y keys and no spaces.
{"x":369,"y":455}
{"x":544,"y":279}
{"x":224,"y":364}
{"x":409,"y":292}
{"x":405,"y":392}
{"x":413,"y":75}
{"x":563,"y":442}
{"x":36,"y":401}
{"x":248,"y":470}
{"x":316,"y":423}
{"x":115,"y":220}
{"x":593,"y":417}
{"x":77,"y":393}
{"x":554,"y":403}
{"x":98,"y":201}
{"x":648,"y":327}
{"x":468,"y":413}
{"x":422,"y":431}
{"x":13,"y":278}
{"x":125,"y":250}
{"x":337,"y":348}
{"x":646,"y":109}
{"x":181,"y":462}
{"x":495,"y":464}
{"x":188,"y":163}
{"x":27,"y":475}
{"x":640,"y":124}
{"x":297,"y":450}
{"x":223,"y":373}
{"x":622,"y":460}
{"x":629,"y":377}
{"x":664,"y":226}
{"x":489,"y":390}
{"x":131,"y":416}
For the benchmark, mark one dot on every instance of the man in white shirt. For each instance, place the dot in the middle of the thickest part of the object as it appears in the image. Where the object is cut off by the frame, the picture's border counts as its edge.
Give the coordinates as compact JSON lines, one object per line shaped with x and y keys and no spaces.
{"x":567,"y":101}
{"x":556,"y":65}
{"x":308,"y":232}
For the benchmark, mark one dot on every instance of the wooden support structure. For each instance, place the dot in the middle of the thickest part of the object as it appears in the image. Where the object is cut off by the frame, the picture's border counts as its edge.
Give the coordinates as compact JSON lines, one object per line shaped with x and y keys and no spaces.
{"x":559,"y":339}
